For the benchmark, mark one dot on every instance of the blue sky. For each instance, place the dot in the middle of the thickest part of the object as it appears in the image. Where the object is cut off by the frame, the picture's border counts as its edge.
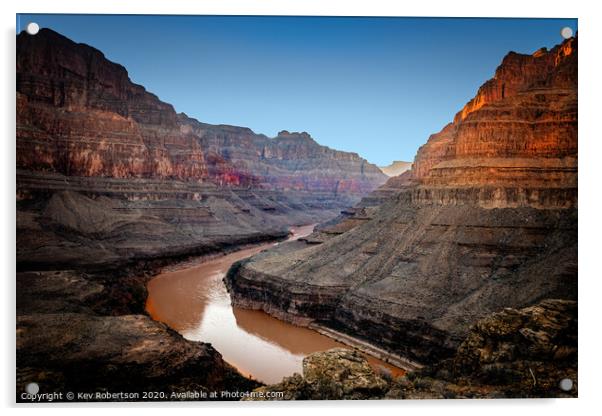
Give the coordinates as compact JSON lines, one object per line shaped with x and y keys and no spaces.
{"x":375,"y":86}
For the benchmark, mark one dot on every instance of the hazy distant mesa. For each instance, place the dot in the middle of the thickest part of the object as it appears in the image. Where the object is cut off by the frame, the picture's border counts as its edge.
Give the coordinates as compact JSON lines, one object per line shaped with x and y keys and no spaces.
{"x":396,"y":168}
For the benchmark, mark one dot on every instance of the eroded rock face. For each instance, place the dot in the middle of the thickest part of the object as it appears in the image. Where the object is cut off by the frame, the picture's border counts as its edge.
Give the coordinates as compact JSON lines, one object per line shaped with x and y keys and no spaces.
{"x":513,"y":353}
{"x":80,"y":332}
{"x":290,"y":161}
{"x":79,"y":114}
{"x":486,"y":219}
{"x":520,"y":130}
{"x":336,"y":374}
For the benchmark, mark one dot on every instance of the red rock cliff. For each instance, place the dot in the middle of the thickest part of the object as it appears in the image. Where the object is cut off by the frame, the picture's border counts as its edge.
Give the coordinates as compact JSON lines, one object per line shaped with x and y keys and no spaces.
{"x":79,"y":114}
{"x":520,"y":130}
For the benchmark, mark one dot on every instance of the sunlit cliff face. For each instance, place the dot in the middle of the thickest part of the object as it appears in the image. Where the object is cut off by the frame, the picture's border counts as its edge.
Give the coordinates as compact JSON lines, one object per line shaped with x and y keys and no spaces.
{"x":515,"y":73}
{"x":79,"y":114}
{"x":520,"y":131}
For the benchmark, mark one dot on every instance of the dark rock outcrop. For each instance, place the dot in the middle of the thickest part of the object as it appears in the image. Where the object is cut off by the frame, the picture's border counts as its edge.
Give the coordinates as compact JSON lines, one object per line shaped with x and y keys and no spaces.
{"x":336,"y":374}
{"x":513,"y":353}
{"x":510,"y":354}
{"x":486,"y":219}
{"x":86,"y":333}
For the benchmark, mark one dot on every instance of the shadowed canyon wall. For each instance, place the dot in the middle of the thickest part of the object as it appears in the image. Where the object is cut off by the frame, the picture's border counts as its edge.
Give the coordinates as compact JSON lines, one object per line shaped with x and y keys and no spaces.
{"x":485,"y":219}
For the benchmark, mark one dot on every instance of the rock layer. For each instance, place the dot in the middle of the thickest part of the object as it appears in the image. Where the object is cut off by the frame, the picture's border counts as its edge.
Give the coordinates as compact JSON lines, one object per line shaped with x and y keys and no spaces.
{"x":78,"y":114}
{"x":485,"y":219}
{"x":520,"y":130}
{"x":290,"y":161}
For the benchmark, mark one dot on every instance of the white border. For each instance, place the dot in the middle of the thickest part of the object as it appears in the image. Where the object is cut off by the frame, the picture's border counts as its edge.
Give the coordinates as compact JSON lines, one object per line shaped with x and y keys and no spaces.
{"x":590,"y":195}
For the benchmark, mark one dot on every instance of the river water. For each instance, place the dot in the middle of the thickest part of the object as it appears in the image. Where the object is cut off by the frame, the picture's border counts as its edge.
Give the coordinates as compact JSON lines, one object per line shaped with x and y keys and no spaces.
{"x":193,"y":300}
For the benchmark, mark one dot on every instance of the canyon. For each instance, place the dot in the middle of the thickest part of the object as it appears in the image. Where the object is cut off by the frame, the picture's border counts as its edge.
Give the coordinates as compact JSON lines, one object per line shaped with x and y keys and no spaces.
{"x":191,"y":298}
{"x":485,"y":219}
{"x":112,"y":184}
{"x":462,"y":263}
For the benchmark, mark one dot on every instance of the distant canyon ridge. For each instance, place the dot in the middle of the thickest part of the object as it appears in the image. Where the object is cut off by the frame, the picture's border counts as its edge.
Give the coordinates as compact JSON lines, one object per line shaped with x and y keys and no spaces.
{"x":396,"y":168}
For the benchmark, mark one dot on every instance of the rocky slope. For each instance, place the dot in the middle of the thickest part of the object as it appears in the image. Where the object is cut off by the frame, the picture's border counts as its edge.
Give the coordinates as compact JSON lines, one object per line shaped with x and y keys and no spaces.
{"x":511,"y":354}
{"x":485,"y":219}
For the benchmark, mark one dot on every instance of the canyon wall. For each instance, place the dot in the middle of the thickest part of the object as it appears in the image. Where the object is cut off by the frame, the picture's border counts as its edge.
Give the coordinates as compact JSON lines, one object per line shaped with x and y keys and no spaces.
{"x":79,"y":114}
{"x":485,"y":219}
{"x":518,"y":132}
{"x":101,"y":158}
{"x":289,"y":161}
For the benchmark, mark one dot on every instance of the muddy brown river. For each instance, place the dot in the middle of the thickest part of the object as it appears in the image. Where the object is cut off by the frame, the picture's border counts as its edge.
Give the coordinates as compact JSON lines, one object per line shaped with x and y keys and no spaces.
{"x":192,"y":299}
